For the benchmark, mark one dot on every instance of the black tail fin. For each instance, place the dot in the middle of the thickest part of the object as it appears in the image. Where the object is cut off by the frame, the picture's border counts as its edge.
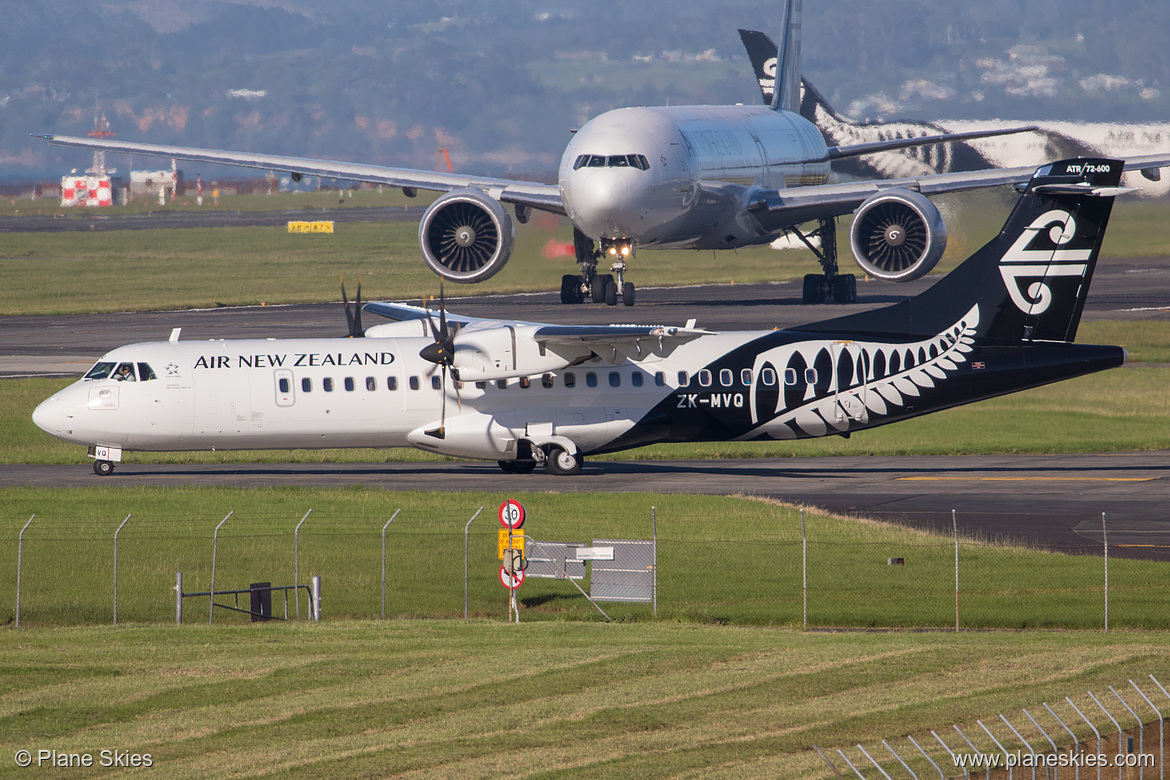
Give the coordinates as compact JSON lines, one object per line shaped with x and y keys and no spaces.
{"x":761,"y":50}
{"x":1029,"y":283}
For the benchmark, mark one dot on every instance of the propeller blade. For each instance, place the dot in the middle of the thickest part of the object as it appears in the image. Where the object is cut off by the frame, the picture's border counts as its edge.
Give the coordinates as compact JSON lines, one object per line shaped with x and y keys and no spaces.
{"x":356,"y":329}
{"x":348,"y":313}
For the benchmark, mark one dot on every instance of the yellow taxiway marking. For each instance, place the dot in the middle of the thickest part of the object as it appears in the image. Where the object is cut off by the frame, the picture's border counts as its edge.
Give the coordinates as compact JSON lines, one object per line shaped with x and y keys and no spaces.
{"x":1028,"y":479}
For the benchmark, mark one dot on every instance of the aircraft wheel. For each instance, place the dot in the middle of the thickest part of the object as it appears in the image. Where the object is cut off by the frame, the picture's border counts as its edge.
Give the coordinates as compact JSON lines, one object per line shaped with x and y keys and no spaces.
{"x":571,"y":289}
{"x":103,"y":468}
{"x":628,"y":294}
{"x":517,"y":466}
{"x":601,"y":285}
{"x":845,"y":288}
{"x":561,"y":463}
{"x":814,"y":288}
{"x":611,"y":292}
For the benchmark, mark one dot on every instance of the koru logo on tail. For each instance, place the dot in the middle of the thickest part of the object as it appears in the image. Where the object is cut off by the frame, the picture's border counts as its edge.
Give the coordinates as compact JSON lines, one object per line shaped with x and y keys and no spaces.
{"x":1038,"y":252}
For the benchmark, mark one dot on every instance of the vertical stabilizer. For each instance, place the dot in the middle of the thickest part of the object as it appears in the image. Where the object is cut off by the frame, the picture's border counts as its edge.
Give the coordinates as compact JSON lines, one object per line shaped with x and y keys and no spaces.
{"x":787,"y":93}
{"x":1030,"y":282}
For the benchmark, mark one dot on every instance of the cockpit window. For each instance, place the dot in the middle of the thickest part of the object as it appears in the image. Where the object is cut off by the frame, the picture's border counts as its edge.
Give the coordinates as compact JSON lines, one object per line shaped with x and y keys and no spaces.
{"x":145,"y":372}
{"x":638,"y":161}
{"x":125,"y":373}
{"x":100,"y":371}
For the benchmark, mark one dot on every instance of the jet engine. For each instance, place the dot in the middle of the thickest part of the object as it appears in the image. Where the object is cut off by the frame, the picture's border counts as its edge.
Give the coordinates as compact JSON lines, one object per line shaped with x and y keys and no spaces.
{"x":897,"y":235}
{"x":466,"y":236}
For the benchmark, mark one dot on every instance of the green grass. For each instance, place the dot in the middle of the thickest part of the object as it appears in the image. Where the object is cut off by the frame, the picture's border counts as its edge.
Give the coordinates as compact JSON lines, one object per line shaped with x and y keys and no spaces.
{"x":55,"y":273}
{"x":720,"y":560}
{"x":485,"y":698}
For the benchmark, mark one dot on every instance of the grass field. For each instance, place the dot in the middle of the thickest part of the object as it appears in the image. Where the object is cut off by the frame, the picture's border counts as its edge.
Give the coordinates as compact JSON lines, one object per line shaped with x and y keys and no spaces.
{"x":489,"y":699}
{"x":720,"y":560}
{"x":54,"y":273}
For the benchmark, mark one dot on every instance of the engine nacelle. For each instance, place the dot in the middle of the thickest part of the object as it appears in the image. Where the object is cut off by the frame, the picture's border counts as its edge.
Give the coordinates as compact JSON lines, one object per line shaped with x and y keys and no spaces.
{"x":466,"y":236}
{"x":897,"y":235}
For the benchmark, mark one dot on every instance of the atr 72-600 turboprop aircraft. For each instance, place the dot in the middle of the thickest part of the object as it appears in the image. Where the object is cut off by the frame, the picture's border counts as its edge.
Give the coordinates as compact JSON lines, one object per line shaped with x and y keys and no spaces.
{"x":525,"y":394}
{"x":697,"y":177}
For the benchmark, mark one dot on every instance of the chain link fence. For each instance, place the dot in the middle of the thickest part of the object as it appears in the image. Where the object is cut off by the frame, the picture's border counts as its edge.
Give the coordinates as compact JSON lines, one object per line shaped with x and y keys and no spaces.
{"x":779,"y":567}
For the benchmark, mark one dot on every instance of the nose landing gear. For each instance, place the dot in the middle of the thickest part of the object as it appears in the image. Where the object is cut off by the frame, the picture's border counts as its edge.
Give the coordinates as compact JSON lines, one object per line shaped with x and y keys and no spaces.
{"x":607,"y":288}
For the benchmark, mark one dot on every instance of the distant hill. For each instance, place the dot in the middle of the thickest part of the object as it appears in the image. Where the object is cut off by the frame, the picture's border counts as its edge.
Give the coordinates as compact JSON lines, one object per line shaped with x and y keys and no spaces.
{"x":501,"y":84}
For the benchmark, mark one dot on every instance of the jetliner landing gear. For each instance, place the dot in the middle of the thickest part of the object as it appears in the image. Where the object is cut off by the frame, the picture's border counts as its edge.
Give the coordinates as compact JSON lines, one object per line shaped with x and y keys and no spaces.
{"x":600,"y":288}
{"x":818,"y":288}
{"x":103,"y":468}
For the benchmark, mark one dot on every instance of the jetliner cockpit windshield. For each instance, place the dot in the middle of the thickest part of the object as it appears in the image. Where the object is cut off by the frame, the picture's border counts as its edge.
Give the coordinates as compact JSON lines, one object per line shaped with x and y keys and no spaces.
{"x":123,"y":372}
{"x":638,"y":161}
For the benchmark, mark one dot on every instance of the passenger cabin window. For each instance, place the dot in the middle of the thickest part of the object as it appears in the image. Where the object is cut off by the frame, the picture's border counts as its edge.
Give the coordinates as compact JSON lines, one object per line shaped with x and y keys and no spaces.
{"x":590,"y":379}
{"x":726,"y":377}
{"x":683,"y":379}
{"x":349,"y":385}
{"x":636,"y":380}
{"x":546,"y":381}
{"x":371,"y":384}
{"x":327,"y":384}
{"x":659,"y":379}
{"x":615,"y":379}
{"x":705,"y":377}
{"x":570,"y":379}
{"x":436,"y":382}
{"x":306,"y":385}
{"x":414,"y":383}
{"x":284,"y":384}
{"x":391,"y":383}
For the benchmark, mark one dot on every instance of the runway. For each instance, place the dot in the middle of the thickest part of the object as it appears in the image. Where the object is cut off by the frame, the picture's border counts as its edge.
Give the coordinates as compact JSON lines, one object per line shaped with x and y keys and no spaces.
{"x":1055,"y":501}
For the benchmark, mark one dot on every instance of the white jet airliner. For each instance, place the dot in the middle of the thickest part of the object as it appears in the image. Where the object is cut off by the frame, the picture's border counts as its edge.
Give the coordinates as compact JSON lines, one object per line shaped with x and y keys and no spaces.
{"x":695,"y":177}
{"x":526,"y":394}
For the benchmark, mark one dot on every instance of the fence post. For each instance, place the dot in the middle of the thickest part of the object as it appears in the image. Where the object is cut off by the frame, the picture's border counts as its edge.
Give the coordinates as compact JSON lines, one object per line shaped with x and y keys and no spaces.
{"x":315,"y":603}
{"x":1105,"y":542}
{"x":803,"y":570}
{"x":19,"y":565}
{"x":214,"y":552}
{"x":1055,"y":750}
{"x":926,"y":755}
{"x":947,"y":747}
{"x":297,"y":562}
{"x":1063,"y":725}
{"x":1002,"y":749}
{"x":1109,"y":715}
{"x":955,"y":525}
{"x":1161,"y":730}
{"x":178,"y":598}
{"x":388,"y":522}
{"x":900,"y":761}
{"x":466,"y":532}
{"x":116,"y":567}
{"x":654,"y":529}
{"x":1094,"y":728}
{"x":875,"y":763}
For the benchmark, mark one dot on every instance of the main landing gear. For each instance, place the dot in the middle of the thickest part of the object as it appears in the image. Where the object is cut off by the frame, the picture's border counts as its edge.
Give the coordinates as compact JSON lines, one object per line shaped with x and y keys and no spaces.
{"x":557,"y":461}
{"x":103,"y":468}
{"x":601,"y":288}
{"x":831,"y":285}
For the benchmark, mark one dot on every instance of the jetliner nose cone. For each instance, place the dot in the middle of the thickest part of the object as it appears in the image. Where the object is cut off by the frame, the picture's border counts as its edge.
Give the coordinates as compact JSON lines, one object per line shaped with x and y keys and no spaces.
{"x":49,"y":416}
{"x":602,"y":199}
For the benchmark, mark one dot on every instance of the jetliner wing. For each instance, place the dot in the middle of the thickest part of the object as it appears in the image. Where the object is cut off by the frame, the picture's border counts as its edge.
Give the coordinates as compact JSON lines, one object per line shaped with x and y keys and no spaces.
{"x":896,"y":144}
{"x":781,"y":209}
{"x":545,"y":197}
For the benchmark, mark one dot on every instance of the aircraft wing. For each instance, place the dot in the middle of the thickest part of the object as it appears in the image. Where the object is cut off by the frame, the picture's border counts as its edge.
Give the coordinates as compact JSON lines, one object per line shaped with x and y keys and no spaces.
{"x":621,"y":337}
{"x":781,"y":209}
{"x":895,"y":144}
{"x":545,"y":197}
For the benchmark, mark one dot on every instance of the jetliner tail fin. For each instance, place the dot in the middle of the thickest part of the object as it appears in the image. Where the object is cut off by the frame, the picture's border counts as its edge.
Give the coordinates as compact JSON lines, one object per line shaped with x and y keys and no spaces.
{"x":1030,"y":282}
{"x":787,"y":71}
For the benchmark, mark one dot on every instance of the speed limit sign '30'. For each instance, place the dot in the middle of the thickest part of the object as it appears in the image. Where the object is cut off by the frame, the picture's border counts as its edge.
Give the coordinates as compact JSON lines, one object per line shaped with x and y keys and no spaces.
{"x":511,"y":514}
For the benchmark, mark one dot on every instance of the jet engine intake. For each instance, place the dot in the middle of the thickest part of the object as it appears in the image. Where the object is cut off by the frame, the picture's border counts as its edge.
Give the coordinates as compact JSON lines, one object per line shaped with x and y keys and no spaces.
{"x":897,"y":235}
{"x":466,"y":236}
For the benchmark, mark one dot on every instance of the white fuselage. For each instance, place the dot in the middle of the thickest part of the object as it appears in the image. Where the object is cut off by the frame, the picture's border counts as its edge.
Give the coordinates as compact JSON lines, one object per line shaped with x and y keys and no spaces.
{"x":325,"y":393}
{"x":684,"y":176}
